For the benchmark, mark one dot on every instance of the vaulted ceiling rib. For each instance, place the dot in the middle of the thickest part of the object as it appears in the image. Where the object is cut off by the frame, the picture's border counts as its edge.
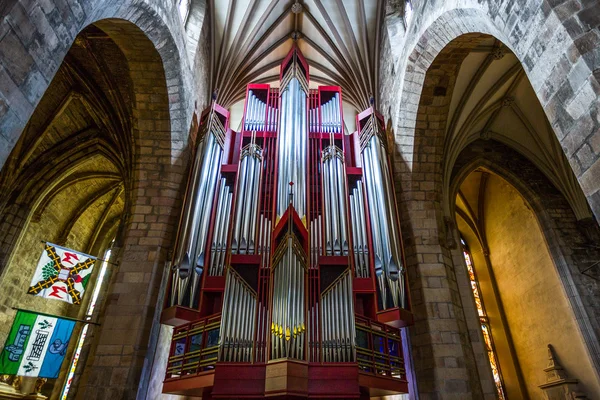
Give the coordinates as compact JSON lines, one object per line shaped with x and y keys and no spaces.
{"x":72,"y":165}
{"x":492,"y":98}
{"x":339,"y":38}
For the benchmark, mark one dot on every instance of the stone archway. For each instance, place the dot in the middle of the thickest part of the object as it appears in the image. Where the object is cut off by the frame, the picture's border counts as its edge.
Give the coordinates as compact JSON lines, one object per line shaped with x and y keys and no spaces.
{"x":119,"y":348}
{"x":32,"y":56}
{"x":423,"y":165}
{"x":567,"y":240}
{"x":556,"y":47}
{"x":154,"y":134}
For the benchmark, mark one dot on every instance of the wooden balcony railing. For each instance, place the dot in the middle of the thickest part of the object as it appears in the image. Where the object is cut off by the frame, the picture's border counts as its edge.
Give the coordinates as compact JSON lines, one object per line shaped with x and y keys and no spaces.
{"x":194,"y":347}
{"x":379,"y":349}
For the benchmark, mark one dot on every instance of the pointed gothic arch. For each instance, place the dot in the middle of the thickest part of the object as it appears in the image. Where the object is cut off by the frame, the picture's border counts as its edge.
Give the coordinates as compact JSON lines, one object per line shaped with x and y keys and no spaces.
{"x":552,"y":77}
{"x":561,"y":236}
{"x":440,"y":120}
{"x":107,"y":161}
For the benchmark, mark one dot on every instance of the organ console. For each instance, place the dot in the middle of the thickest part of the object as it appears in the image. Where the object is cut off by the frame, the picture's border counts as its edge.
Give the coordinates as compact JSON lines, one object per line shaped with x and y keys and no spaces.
{"x":288,"y":276}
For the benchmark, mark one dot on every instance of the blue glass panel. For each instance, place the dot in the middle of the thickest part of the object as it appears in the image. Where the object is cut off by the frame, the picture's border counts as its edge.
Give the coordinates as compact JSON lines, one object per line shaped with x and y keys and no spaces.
{"x":179,"y":347}
{"x":212,"y":338}
{"x":378,"y":344}
{"x":196,"y":342}
{"x":393,"y":347}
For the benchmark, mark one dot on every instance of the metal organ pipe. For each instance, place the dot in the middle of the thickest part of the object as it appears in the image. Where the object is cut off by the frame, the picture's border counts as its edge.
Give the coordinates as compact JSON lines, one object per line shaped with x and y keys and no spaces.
{"x":335,"y":201}
{"x":292,"y":148}
{"x":359,"y":232}
{"x":190,"y":251}
{"x":219,"y":239}
{"x":256,"y":114}
{"x":386,"y":238}
{"x":288,"y":325}
{"x":334,"y":184}
{"x":237,"y":324}
{"x":337,"y":332}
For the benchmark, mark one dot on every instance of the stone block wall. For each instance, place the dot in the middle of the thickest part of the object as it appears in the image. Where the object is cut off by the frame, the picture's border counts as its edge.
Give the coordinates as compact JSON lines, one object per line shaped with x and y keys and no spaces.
{"x":557,"y":41}
{"x":34,"y":38}
{"x":544,"y":35}
{"x":36,"y":35}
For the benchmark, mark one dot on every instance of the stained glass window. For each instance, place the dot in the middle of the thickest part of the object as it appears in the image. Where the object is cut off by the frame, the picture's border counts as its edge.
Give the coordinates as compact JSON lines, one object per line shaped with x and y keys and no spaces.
{"x":88,"y":317}
{"x":485,"y":325}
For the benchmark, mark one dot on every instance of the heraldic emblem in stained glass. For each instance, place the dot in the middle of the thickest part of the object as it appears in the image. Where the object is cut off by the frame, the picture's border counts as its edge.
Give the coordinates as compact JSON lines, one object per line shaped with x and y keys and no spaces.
{"x":62,"y":274}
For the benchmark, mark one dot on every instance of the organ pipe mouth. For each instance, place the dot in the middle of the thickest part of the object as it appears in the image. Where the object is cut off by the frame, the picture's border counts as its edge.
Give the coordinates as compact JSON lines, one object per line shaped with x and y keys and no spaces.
{"x":199,"y":264}
{"x":184,"y":266}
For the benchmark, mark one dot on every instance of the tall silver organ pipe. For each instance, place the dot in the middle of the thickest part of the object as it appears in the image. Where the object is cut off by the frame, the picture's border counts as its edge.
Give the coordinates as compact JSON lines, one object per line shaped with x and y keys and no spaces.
{"x":238,"y":325}
{"x":293,"y":140}
{"x":219,"y":239}
{"x":334,"y":194}
{"x":337,"y":331}
{"x":193,"y":233}
{"x":389,"y":268}
{"x":244,"y":231}
{"x":287,"y":321}
{"x":359,"y":232}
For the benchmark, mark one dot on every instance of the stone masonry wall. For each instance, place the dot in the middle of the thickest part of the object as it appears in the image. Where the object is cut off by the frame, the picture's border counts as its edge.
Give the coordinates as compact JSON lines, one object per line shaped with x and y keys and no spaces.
{"x":569,"y":241}
{"x":557,"y":41}
{"x":34,"y":38}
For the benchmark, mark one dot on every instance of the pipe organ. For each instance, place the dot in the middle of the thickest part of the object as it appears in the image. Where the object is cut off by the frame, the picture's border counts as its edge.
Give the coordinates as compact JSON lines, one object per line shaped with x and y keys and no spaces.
{"x":288,"y":274}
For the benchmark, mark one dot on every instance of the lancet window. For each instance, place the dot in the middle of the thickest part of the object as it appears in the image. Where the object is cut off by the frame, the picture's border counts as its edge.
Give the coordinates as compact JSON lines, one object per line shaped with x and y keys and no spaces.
{"x":88,"y":317}
{"x":484,"y":321}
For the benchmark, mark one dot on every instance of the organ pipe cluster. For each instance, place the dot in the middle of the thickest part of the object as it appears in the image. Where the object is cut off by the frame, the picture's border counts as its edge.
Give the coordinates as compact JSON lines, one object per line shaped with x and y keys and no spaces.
{"x":287,"y":321}
{"x":219,"y":242}
{"x":194,"y":226}
{"x":338,"y":332}
{"x":244,"y":227}
{"x":238,"y":323}
{"x":287,"y":216}
{"x":388,"y":265}
{"x":334,"y":195}
{"x":259,"y":115}
{"x":360,"y":243}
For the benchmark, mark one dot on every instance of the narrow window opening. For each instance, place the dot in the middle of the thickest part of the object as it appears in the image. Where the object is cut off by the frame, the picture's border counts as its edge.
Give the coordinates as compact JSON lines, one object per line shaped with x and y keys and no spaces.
{"x":88,"y":317}
{"x":484,"y":321}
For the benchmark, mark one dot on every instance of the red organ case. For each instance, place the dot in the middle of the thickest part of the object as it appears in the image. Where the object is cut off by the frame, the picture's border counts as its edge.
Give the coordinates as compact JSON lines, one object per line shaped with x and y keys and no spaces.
{"x":288,"y":274}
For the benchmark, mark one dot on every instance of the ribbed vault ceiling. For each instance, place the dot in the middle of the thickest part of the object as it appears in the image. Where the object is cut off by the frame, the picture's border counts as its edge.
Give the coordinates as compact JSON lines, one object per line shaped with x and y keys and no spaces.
{"x":493,"y":99}
{"x":339,"y":38}
{"x":72,"y":164}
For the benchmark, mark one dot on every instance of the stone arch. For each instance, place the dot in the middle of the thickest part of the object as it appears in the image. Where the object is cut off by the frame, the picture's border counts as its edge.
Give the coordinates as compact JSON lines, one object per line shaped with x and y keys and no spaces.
{"x":568,"y":240}
{"x":38,"y":52}
{"x":429,"y":233}
{"x":159,"y":137}
{"x":157,"y":132}
{"x":565,"y":85}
